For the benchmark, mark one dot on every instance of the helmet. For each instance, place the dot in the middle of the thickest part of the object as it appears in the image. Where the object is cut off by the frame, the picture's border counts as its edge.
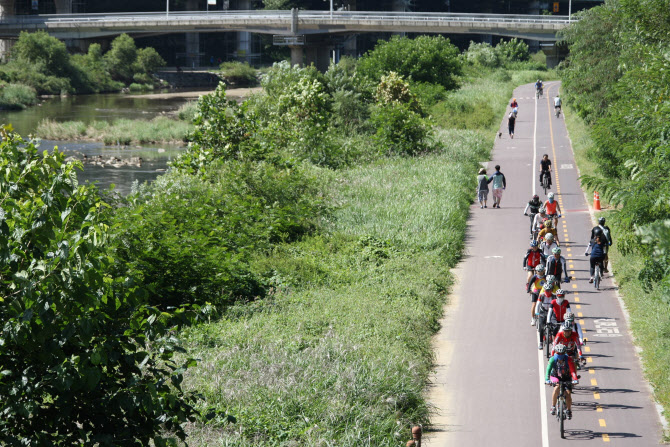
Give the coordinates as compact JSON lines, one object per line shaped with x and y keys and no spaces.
{"x":566,"y":327}
{"x":551,"y":278}
{"x":543,"y":210}
{"x":548,"y":224}
{"x":550,"y":195}
{"x":539,"y":268}
{"x":514,"y":99}
{"x":549,"y":237}
{"x":556,"y":250}
{"x":535,"y":197}
{"x":601,"y":221}
{"x":569,"y":317}
{"x":549,"y":283}
{"x":559,"y":348}
{"x":533,"y":243}
{"x":598,"y":232}
{"x":560,"y":292}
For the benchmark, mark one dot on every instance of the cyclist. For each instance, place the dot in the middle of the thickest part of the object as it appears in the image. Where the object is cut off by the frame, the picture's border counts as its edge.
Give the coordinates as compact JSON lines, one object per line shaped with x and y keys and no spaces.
{"x":533,"y":206}
{"x":558,"y":308}
{"x":545,"y":168}
{"x":553,"y":208}
{"x":539,"y":86}
{"x":533,"y":258}
{"x":557,"y":103}
{"x":598,"y":249}
{"x":576,"y":327}
{"x":561,"y":368}
{"x":545,"y":297}
{"x":608,"y":235}
{"x":566,"y":336}
{"x":556,"y":266}
{"x":547,"y":230}
{"x":533,"y":287}
{"x":548,"y":245}
{"x":538,"y":221}
{"x":514,"y":104}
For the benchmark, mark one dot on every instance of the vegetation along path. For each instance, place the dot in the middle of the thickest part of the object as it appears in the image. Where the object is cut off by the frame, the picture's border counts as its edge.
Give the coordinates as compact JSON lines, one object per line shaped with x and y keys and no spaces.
{"x":489,"y":383}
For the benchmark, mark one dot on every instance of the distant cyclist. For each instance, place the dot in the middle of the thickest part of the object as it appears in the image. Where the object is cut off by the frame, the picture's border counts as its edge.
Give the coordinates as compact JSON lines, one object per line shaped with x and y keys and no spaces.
{"x":561,"y":368}
{"x":576,"y":327}
{"x":566,"y":336}
{"x":533,"y":207}
{"x":598,"y":249}
{"x":553,"y":208}
{"x":533,"y":287}
{"x":557,"y":103}
{"x":548,"y":245}
{"x":556,"y":266}
{"x":545,"y":168}
{"x":538,"y":87}
{"x":534,"y":257}
{"x":547,"y":230}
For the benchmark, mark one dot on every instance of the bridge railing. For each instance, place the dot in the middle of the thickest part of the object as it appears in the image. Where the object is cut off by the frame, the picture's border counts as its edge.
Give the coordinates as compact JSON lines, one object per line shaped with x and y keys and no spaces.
{"x":325,"y":16}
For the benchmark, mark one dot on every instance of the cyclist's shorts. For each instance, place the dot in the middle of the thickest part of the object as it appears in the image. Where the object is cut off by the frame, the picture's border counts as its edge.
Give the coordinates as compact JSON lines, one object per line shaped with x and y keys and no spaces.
{"x":533,"y":297}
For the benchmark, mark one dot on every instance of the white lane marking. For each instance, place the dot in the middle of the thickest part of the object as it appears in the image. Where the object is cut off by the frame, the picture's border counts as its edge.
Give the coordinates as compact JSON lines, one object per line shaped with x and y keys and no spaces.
{"x":543,"y":396}
{"x":567,"y":166}
{"x":492,"y":257}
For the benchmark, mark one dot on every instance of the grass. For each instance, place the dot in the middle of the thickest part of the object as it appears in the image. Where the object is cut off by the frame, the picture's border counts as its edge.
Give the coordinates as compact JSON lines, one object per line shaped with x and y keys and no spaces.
{"x":649,"y":317}
{"x":17,"y":96}
{"x":122,"y":131}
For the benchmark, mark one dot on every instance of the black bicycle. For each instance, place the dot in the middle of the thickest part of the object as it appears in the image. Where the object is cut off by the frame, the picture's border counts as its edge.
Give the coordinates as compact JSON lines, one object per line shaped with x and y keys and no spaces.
{"x":561,"y":405}
{"x":550,"y":331}
{"x":598,"y":275}
{"x":545,"y":183}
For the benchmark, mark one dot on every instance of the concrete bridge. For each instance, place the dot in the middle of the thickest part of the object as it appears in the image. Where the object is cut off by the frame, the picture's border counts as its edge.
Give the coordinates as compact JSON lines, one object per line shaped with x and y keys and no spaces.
{"x":310,"y":30}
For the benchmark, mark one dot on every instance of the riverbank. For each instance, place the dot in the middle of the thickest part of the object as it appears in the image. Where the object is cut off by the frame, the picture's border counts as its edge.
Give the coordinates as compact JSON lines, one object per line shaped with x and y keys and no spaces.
{"x":233,"y":93}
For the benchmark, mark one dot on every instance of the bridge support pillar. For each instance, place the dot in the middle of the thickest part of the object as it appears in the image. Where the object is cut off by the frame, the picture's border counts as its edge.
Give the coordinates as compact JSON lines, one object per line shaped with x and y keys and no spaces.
{"x":63,"y":6}
{"x":297,"y":55}
{"x":192,"y":50}
{"x":319,"y":56}
{"x":554,"y":53}
{"x":7,"y":9}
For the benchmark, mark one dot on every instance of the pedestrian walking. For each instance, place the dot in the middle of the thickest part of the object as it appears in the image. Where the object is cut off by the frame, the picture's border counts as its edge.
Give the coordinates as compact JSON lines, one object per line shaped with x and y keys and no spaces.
{"x":499,"y":185}
{"x":483,"y":187}
{"x":511,"y":120}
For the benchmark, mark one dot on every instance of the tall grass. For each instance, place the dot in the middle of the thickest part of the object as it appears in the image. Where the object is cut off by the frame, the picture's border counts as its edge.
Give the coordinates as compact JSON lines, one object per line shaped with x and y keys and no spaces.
{"x":17,"y":96}
{"x":122,"y":131}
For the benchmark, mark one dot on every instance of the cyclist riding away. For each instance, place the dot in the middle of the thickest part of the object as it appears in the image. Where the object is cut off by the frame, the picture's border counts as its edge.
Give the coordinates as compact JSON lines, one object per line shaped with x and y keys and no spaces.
{"x":533,"y":206}
{"x":561,"y":368}
{"x":553,"y":208}
{"x":514,"y":104}
{"x":533,"y":258}
{"x":533,"y":287}
{"x":608,"y":236}
{"x":545,"y":168}
{"x":556,"y":266}
{"x":557,"y":103}
{"x":598,"y":249}
{"x":538,"y":87}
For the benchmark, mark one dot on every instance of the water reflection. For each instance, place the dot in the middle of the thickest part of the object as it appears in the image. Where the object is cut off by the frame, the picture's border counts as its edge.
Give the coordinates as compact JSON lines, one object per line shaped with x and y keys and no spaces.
{"x":154,"y":162}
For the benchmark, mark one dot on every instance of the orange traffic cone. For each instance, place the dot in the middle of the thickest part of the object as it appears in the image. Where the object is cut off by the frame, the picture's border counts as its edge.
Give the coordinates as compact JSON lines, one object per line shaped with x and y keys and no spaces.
{"x":596,"y":201}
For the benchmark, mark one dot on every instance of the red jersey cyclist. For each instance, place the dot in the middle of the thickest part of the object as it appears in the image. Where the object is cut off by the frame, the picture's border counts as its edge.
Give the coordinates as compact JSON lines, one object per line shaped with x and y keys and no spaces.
{"x":553,"y":208}
{"x":533,"y":287}
{"x":561,"y":368}
{"x":566,"y":336}
{"x":558,"y":308}
{"x":533,"y":258}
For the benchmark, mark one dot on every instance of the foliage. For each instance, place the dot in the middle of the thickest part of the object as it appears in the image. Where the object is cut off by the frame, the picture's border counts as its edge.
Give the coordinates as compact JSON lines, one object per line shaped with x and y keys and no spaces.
{"x":428,"y":94}
{"x":239,"y":74}
{"x":513,"y":50}
{"x":400,"y":130}
{"x":121,"y":58}
{"x":84,"y":359}
{"x":431,"y":59}
{"x":481,"y":54}
{"x":392,"y":88}
{"x":505,"y":53}
{"x":17,"y":96}
{"x":148,"y":61}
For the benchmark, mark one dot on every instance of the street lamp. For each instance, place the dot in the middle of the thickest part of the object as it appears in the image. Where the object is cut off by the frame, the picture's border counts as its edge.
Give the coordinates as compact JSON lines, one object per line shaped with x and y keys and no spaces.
{"x":167,"y":8}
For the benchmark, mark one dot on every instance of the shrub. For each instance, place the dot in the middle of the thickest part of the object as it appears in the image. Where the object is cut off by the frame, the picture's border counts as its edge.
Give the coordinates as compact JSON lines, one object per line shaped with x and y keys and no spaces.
{"x":188,"y":111}
{"x":239,"y":74}
{"x":84,"y":359}
{"x":513,"y":50}
{"x":428,"y":94}
{"x":148,"y":61}
{"x":17,"y":96}
{"x":399,"y":130}
{"x":431,"y":59}
{"x":482,"y":54}
{"x":121,"y":57}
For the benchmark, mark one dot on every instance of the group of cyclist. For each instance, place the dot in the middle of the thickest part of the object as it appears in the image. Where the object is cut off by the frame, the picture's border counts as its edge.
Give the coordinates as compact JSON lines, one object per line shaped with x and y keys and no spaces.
{"x":546,"y":270}
{"x":539,"y":89}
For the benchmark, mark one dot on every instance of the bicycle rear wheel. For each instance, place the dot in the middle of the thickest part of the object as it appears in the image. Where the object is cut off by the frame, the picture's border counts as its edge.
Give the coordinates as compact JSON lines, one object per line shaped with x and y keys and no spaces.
{"x":560,"y":411}
{"x":547,"y":340}
{"x":596,"y":279}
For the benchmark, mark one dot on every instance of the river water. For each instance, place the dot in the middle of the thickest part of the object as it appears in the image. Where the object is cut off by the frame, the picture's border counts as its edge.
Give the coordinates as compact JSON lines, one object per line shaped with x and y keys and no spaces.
{"x":104,"y":107}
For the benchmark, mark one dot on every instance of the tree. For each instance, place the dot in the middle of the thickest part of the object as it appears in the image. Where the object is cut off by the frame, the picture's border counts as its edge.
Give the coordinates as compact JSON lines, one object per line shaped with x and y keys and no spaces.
{"x":121,"y":58}
{"x":43,"y":50}
{"x":431,"y":59}
{"x":84,"y":360}
{"x":148,"y":60}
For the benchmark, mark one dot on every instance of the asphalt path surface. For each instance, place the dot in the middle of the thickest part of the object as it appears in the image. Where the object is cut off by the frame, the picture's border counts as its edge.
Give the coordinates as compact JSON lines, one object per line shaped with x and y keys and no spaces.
{"x":488,"y":388}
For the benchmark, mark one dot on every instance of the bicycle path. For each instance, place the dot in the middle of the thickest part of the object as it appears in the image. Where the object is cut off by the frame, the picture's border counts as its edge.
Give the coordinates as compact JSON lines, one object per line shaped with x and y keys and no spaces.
{"x":488,"y":385}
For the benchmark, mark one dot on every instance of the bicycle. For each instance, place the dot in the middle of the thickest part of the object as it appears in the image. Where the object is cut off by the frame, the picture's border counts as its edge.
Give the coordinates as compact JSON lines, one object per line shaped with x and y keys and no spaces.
{"x":538,"y":93}
{"x":545,"y":183}
{"x":561,"y":405}
{"x":558,"y":111}
{"x":550,"y":331}
{"x":598,"y":275}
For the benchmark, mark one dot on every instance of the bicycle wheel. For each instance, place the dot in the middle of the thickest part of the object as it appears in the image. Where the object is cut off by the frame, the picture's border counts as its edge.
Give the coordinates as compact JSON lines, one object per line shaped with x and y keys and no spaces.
{"x":560,"y":411}
{"x":547,"y":340}
{"x":545,"y":185}
{"x":596,"y":279}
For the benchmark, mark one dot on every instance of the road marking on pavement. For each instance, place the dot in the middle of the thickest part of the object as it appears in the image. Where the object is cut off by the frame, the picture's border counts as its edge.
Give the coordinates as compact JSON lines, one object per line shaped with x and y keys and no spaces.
{"x":596,"y":396}
{"x":570,"y":249}
{"x":566,"y":166}
{"x":606,"y":438}
{"x":574,"y":286}
{"x":592,"y":371}
{"x":579,"y":314}
{"x":565,"y":239}
{"x":572,"y":272}
{"x":587,"y":349}
{"x":581,"y":322}
{"x":599,"y":409}
{"x":578,"y":306}
{"x":593,"y":382}
{"x":577,"y":299}
{"x":589,"y":359}
{"x":602,"y":422}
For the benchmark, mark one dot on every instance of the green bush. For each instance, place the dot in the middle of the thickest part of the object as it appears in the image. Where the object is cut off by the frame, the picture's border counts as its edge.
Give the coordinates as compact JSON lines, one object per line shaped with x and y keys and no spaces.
{"x":399,"y":130}
{"x":431,"y":59}
{"x":121,"y":57}
{"x":84,"y":359}
{"x":17,"y":96}
{"x":188,"y":111}
{"x":482,"y":54}
{"x":513,"y":50}
{"x":239,"y":74}
{"x":428,"y":94}
{"x":148,"y":61}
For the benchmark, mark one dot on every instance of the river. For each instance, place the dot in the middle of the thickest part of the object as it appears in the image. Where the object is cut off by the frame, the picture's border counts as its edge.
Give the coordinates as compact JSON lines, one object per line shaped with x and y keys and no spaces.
{"x":105,"y":107}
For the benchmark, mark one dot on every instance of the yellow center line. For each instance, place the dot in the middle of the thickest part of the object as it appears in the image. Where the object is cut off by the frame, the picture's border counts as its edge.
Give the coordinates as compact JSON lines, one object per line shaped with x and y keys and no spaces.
{"x":592,"y":371}
{"x":587,"y":349}
{"x":589,"y":359}
{"x":578,"y":306}
{"x":606,"y":438}
{"x":579,"y":314}
{"x":599,"y":409}
{"x":581,"y":322}
{"x":596,"y":396}
{"x":593,"y":382}
{"x":574,"y":286}
{"x":602,"y":422}
{"x":577,"y":299}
